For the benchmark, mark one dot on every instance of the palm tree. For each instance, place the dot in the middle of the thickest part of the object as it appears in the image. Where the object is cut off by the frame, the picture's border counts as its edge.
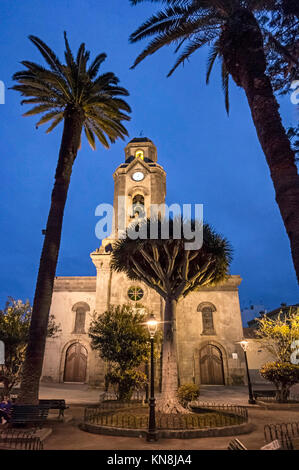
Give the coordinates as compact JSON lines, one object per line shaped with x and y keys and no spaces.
{"x":237,"y":30}
{"x":173,"y":272}
{"x":81,"y":98}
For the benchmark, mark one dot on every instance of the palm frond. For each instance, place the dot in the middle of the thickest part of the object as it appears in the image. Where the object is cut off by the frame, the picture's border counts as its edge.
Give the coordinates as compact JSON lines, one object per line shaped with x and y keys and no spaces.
{"x":47,"y":117}
{"x":90,"y":136}
{"x":55,"y":123}
{"x":70,"y":61}
{"x":95,"y":65}
{"x":38,"y":109}
{"x":225,"y":85}
{"x":160,"y":22}
{"x":214,"y":52}
{"x":193,"y":46}
{"x":169,"y":2}
{"x":74,"y":85}
{"x":47,"y":53}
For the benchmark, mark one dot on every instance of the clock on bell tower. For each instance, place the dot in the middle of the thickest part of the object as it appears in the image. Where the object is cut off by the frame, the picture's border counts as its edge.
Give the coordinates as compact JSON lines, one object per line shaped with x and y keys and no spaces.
{"x":139,"y":187}
{"x":139,"y":183}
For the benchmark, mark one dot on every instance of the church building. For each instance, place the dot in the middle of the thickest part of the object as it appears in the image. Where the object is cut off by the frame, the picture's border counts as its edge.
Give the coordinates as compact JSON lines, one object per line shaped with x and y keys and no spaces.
{"x":209,"y":323}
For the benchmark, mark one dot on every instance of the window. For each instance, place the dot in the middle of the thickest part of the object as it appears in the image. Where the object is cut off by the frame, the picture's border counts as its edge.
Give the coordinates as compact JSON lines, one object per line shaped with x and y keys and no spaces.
{"x":80,"y":310}
{"x":80,"y":321}
{"x":138,"y":199}
{"x":138,"y":206}
{"x":139,"y":154}
{"x":207,"y":321}
{"x":135,"y":293}
{"x":207,"y":309}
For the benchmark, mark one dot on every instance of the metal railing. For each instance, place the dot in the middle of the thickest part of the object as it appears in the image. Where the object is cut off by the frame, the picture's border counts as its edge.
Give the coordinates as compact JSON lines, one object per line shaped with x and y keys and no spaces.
{"x":19,"y":440}
{"x":133,"y":416}
{"x":238,"y":410}
{"x":108,"y":396}
{"x":280,"y":430}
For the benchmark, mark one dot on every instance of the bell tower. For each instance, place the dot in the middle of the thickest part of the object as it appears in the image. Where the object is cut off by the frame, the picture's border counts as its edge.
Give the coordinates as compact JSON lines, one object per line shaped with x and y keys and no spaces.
{"x":139,"y":183}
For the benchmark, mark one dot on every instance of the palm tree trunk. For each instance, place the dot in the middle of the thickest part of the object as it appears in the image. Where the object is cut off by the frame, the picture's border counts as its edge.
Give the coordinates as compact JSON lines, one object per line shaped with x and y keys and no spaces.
{"x":168,"y":402}
{"x":244,"y":57}
{"x":6,"y":387}
{"x":32,"y":370}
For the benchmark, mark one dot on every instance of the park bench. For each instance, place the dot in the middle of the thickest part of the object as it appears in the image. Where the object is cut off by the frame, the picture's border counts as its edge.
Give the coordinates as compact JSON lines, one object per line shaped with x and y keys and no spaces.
{"x":10,"y":439}
{"x":284,"y":443}
{"x":264,"y":393}
{"x":22,"y":415}
{"x":54,"y":405}
{"x":235,"y":444}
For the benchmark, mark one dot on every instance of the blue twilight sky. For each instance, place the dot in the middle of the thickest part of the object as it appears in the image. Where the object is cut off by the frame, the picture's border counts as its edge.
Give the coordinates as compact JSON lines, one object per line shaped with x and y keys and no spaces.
{"x":209,"y":158}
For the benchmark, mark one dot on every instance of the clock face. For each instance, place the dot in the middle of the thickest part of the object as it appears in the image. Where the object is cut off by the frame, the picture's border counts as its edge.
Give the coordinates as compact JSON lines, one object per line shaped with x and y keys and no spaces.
{"x":138,"y":176}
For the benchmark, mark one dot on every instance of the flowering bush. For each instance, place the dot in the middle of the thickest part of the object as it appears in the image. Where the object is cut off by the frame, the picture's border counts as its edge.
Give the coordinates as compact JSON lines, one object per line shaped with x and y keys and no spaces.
{"x":283,"y":375}
{"x":277,"y":335}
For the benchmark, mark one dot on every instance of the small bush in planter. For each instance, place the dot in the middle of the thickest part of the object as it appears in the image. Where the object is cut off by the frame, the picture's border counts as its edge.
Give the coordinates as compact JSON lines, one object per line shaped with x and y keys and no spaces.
{"x":188,"y":393}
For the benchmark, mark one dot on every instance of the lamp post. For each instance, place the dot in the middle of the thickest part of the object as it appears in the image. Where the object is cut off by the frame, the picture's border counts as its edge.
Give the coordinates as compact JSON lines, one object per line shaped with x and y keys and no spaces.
{"x":152,"y":325}
{"x":244,"y":345}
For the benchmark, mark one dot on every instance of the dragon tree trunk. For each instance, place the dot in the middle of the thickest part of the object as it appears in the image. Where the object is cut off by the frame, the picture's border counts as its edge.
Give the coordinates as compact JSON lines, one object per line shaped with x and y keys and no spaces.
{"x":168,"y":402}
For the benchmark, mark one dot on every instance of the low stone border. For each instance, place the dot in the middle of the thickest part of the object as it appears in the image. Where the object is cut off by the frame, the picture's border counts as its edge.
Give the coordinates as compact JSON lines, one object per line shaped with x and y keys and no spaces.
{"x":278,"y":406}
{"x":54,"y":418}
{"x":43,"y":433}
{"x":234,"y":430}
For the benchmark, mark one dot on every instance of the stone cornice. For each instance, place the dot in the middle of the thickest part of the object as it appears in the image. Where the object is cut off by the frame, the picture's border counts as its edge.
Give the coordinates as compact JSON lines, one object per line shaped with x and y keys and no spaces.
{"x":88,"y":284}
{"x":231,"y":284}
{"x":147,"y":166}
{"x":75,"y":284}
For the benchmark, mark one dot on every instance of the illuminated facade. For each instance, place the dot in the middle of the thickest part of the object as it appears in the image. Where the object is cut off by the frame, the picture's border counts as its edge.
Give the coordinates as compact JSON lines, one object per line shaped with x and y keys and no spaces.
{"x":208,"y":321}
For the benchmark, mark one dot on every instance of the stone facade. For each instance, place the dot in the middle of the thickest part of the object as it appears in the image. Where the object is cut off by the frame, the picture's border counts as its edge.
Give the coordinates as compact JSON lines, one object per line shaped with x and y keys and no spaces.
{"x":209,"y":321}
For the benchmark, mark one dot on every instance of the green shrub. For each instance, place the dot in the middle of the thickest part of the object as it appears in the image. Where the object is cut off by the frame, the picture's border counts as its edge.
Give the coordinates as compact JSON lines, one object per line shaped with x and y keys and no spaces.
{"x":187,"y":393}
{"x":125,"y":382}
{"x":283,"y":375}
{"x":237,"y":379}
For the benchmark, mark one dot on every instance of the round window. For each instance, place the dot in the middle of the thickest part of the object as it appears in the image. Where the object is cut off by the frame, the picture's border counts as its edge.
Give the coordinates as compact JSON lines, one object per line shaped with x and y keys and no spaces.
{"x":135,"y":293}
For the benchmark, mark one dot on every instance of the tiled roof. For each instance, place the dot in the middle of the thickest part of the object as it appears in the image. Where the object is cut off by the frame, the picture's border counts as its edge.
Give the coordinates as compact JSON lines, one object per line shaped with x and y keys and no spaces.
{"x":284,"y":309}
{"x":249,"y":333}
{"x":140,"y":139}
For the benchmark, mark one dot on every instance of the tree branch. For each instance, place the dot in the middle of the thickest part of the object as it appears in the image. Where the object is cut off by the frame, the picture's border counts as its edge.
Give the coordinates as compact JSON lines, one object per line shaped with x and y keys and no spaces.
{"x":150,"y":281}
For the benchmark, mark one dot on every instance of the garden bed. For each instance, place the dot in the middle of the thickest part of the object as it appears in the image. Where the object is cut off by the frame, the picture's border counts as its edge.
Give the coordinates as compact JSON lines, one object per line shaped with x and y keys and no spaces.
{"x":131,"y":419}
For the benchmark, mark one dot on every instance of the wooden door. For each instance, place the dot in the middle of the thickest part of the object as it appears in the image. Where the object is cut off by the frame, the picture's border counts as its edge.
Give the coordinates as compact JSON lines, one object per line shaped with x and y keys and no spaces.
{"x":211,"y":366}
{"x":75,"y":363}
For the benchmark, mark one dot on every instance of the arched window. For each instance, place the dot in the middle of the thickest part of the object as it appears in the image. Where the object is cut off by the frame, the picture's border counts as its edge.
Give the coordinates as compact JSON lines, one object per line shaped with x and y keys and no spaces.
{"x":139,"y":154}
{"x":80,"y":308}
{"x":207,"y":309}
{"x":138,"y":199}
{"x":138,"y":206}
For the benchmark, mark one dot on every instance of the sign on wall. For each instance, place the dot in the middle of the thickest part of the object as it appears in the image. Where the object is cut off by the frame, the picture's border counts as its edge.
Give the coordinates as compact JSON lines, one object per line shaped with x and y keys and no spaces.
{"x":2,"y":353}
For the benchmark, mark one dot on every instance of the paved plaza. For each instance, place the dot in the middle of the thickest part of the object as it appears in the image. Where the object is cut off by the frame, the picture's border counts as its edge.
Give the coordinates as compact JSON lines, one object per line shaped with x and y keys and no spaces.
{"x":84,"y":394}
{"x":68,"y":436}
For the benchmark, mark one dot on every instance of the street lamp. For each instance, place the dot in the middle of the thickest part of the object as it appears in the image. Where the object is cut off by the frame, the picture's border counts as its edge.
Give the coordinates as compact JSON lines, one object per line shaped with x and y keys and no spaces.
{"x":152,"y":325}
{"x":244,"y":345}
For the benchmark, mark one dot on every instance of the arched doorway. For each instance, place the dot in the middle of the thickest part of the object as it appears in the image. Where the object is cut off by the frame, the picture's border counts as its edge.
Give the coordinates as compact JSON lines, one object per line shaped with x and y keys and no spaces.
{"x":211,"y":365}
{"x":75,"y":363}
